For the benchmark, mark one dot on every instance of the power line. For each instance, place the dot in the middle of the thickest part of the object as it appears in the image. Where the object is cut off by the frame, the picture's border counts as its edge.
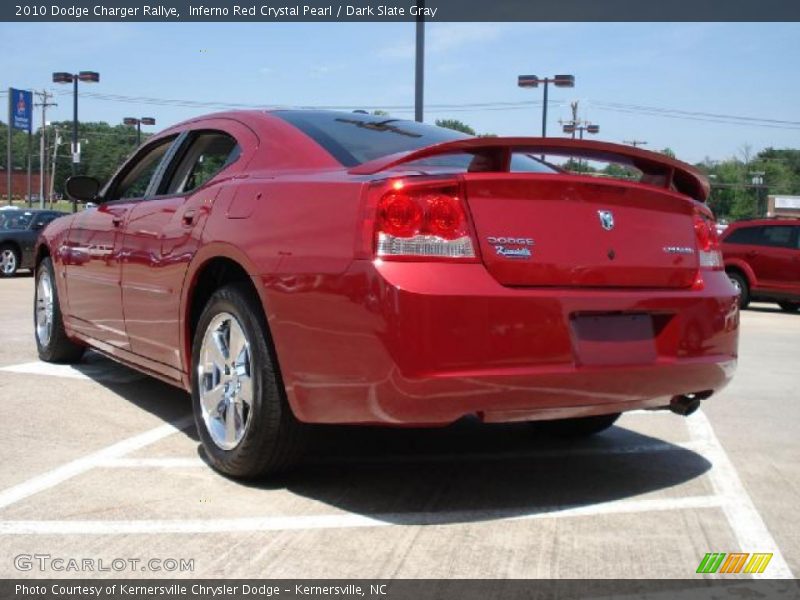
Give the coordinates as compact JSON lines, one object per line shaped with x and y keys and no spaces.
{"x":672,"y":113}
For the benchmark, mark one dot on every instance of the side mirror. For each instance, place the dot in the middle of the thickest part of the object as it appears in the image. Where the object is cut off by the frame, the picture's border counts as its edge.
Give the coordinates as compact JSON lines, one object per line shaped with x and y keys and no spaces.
{"x":81,"y":188}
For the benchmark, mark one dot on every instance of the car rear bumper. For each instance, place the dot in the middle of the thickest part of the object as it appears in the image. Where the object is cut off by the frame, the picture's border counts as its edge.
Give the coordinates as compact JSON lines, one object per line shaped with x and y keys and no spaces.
{"x":410,"y":344}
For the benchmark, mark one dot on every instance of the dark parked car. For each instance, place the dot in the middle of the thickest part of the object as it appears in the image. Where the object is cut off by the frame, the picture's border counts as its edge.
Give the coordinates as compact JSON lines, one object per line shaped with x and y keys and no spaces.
{"x":762,"y":258}
{"x":18,"y":232}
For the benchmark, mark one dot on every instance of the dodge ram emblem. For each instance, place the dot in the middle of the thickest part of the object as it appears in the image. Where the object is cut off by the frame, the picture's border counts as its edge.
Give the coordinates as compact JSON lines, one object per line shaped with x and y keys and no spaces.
{"x":606,"y":219}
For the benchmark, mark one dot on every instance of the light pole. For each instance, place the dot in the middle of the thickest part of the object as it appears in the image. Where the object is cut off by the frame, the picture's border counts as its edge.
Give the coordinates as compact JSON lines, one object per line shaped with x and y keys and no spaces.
{"x":574,"y":126}
{"x":587,"y":127}
{"x":757,"y":179}
{"x":73,"y":78}
{"x":139,"y":123}
{"x":532,"y":81}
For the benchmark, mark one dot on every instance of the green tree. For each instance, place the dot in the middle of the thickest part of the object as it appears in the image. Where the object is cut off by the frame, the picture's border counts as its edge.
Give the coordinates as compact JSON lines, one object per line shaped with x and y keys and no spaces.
{"x":456,"y":125}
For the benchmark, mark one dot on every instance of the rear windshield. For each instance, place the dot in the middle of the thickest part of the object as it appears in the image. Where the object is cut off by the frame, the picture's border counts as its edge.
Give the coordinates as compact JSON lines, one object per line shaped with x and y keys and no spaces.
{"x":356,"y":138}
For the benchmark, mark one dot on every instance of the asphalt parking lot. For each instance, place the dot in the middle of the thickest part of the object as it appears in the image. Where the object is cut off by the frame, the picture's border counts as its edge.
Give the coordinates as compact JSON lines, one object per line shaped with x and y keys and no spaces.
{"x":99,"y":462}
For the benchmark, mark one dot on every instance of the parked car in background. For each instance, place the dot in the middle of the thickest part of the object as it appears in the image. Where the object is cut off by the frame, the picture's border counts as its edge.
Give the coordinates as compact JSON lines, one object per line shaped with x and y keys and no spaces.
{"x":762,"y":258}
{"x":291,"y":267}
{"x":18,"y":232}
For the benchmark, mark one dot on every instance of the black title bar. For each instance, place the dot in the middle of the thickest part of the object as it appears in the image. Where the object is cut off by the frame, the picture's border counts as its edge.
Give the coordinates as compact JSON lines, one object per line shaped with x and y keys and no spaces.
{"x":404,"y":10}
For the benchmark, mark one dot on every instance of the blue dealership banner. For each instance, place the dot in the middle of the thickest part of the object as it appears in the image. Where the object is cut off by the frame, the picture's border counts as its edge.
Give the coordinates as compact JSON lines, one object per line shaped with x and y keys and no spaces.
{"x":21,"y":109}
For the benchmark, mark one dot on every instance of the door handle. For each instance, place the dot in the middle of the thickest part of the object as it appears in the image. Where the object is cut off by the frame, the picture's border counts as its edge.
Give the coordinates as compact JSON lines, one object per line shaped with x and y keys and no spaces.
{"x":116,"y":221}
{"x":188,"y":217}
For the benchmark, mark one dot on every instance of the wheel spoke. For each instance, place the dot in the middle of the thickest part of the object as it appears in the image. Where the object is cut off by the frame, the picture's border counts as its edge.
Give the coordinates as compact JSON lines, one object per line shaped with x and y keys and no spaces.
{"x":230,"y":422}
{"x":246,"y":390}
{"x":217,"y":349}
{"x":211,"y":398}
{"x":237,"y":343}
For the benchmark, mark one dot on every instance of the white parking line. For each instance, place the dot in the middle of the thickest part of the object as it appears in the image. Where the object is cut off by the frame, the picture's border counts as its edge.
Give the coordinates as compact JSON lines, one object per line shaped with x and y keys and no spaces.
{"x":749,"y":528}
{"x":43,"y":368}
{"x":348,"y":520}
{"x":81,"y":465}
{"x":98,"y":369}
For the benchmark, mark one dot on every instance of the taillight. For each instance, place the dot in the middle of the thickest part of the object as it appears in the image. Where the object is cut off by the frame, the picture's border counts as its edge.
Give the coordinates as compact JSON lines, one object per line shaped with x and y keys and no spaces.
{"x":708,"y":249}
{"x":422,"y":221}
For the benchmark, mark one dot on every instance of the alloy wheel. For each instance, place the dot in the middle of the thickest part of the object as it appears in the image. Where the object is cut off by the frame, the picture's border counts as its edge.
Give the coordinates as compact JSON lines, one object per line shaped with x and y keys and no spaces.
{"x":44,"y":308}
{"x":9,"y":261}
{"x":225,"y":381}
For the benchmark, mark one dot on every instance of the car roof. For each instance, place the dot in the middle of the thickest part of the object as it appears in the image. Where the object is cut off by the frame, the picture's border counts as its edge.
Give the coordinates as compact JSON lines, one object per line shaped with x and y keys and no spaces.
{"x":766,"y":221}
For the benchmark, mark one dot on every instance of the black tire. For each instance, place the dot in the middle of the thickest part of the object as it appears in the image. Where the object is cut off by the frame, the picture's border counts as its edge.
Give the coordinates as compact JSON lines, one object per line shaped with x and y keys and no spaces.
{"x":58,"y":348}
{"x":273,"y":439}
{"x":13,"y":266}
{"x":789,"y":306}
{"x":740,"y":281}
{"x":574,"y":428}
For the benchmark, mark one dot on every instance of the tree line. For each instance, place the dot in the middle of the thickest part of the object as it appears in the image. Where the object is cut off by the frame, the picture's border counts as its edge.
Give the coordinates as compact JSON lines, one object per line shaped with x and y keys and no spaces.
{"x":734,"y":194}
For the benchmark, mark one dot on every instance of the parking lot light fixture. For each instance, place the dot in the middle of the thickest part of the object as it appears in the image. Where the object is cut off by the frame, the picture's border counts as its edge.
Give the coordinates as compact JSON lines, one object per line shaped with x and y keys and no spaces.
{"x":138,"y":123}
{"x":74,"y":78}
{"x":532,"y":81}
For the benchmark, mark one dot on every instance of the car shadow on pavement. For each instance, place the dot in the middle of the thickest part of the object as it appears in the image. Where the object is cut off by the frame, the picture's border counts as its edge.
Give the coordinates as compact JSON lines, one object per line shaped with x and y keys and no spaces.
{"x":475,"y":472}
{"x":148,"y":393}
{"x":468,"y":471}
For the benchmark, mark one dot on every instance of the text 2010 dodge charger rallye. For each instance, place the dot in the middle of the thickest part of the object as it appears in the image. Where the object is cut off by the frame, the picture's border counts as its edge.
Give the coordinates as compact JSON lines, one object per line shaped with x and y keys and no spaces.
{"x":294,"y":267}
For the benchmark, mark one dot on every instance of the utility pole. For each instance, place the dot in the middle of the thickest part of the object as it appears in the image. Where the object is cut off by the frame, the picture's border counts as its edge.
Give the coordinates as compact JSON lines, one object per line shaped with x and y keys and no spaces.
{"x":419,"y":65}
{"x":569,"y":126}
{"x":45,"y":103}
{"x":56,"y":144}
{"x":635,"y":143}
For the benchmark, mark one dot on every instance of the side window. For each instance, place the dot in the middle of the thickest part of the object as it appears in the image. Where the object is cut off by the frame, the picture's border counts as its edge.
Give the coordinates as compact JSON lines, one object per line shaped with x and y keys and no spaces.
{"x":42,"y":220}
{"x":136,"y":178}
{"x":778,"y":235}
{"x":797,"y":237}
{"x":745,"y":235}
{"x":207,"y":154}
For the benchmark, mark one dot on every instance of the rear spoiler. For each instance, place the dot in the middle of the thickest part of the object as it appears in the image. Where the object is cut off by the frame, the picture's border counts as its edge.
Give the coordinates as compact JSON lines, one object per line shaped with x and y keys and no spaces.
{"x":668,"y":172}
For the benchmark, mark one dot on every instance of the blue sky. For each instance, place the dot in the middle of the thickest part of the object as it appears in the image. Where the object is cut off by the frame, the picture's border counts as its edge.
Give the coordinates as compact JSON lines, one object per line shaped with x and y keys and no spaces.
{"x":746,"y":69}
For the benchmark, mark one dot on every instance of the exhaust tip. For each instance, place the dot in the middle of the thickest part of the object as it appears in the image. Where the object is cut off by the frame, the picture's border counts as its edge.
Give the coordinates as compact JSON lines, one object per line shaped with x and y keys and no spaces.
{"x":686,"y":404}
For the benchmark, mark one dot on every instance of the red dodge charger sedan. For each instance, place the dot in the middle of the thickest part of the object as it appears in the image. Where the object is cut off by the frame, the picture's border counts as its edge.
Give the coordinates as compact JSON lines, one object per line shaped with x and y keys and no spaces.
{"x":291,"y":267}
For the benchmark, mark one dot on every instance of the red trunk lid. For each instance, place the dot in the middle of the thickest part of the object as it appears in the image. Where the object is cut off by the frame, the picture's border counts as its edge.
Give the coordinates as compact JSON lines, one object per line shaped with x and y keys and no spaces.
{"x":571,"y":230}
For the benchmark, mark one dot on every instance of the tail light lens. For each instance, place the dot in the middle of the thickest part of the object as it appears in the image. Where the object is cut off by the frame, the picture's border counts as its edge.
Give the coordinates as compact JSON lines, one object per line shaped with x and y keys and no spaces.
{"x":422,"y":221}
{"x":708,"y":248}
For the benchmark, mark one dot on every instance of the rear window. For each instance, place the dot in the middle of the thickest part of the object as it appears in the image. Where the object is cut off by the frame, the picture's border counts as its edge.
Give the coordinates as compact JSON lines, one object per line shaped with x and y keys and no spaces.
{"x":356,"y":138}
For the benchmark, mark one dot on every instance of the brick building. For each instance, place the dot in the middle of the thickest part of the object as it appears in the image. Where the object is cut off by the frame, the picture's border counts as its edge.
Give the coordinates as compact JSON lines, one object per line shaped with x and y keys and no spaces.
{"x":19,"y":183}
